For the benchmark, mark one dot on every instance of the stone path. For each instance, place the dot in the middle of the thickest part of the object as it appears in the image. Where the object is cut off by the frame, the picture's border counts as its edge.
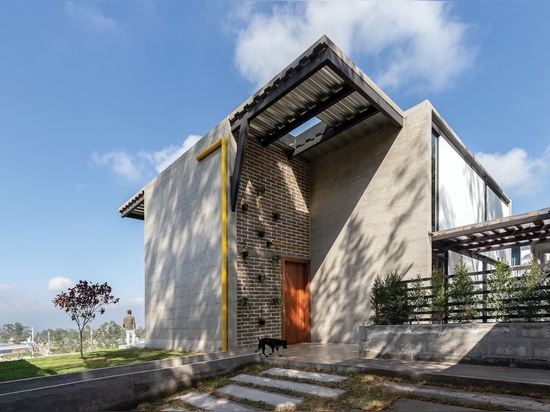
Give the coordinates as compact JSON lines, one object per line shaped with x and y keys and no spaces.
{"x":271,"y":397}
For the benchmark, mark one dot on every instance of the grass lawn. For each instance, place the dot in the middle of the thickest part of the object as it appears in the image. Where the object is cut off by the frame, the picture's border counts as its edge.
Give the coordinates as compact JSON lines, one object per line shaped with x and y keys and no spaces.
{"x":57,"y":364}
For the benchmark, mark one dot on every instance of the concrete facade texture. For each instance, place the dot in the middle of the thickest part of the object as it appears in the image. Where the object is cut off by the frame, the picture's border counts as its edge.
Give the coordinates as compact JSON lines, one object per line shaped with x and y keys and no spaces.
{"x":183,"y":251}
{"x":370,"y":216}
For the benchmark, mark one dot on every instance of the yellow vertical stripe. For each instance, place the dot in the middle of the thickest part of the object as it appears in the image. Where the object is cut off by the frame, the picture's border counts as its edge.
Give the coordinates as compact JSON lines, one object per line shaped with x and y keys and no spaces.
{"x":225,"y":298}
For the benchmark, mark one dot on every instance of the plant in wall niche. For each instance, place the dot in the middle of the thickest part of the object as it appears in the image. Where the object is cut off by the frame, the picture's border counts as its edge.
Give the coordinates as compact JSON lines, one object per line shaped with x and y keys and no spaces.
{"x":276,"y":261}
{"x":276,"y":300}
{"x":244,"y":205}
{"x":260,"y":231}
{"x":244,"y":252}
{"x":243,"y":302}
{"x":261,"y":320}
{"x":261,"y":277}
{"x":276,"y":214}
{"x":260,"y":189}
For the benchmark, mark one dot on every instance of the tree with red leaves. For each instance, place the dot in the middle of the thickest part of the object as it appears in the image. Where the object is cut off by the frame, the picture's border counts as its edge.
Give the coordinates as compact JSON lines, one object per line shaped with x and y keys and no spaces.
{"x":82,"y":302}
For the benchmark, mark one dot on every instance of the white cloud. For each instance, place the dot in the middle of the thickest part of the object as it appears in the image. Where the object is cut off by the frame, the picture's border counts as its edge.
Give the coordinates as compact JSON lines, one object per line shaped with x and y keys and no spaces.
{"x":5,"y":287}
{"x":134,"y":167}
{"x":517,"y":171}
{"x":166,"y":156}
{"x":122,"y":163}
{"x":59,"y":283}
{"x":90,"y":19}
{"x":412,"y":44}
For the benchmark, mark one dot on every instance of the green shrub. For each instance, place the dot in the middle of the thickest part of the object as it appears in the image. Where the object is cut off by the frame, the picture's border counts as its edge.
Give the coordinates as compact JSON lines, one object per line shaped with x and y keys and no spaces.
{"x":501,"y":295}
{"x":532,"y":293}
{"x":462,"y":297}
{"x":389,"y":300}
{"x":418,"y":299}
{"x":439,"y":296}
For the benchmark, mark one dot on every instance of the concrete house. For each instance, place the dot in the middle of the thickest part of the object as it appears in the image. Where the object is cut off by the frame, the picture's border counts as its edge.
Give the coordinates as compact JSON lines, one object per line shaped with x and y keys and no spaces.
{"x":359,"y":186}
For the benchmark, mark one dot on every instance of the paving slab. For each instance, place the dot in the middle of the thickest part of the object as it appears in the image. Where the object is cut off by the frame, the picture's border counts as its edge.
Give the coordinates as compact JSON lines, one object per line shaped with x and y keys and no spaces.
{"x":211,"y":403}
{"x":290,"y":385}
{"x":314,"y":376}
{"x":507,"y":402}
{"x":408,"y":405}
{"x":257,"y":395}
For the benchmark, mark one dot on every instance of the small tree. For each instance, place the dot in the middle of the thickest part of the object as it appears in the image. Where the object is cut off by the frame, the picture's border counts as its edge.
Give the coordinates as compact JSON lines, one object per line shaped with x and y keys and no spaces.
{"x":82,"y":302}
{"x":462,"y":294}
{"x":439,"y":295}
{"x":389,"y":300}
{"x":418,"y":299}
{"x":500,"y":284}
{"x":532,"y":292}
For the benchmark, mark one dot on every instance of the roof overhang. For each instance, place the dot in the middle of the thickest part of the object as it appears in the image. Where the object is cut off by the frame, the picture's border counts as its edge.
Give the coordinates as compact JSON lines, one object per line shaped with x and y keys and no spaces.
{"x":321,"y":84}
{"x":507,"y":232}
{"x":135,"y":207}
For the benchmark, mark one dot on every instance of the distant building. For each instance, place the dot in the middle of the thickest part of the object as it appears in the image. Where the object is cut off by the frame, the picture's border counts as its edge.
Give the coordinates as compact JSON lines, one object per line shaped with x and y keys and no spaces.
{"x":13,"y":348}
{"x":359,"y":192}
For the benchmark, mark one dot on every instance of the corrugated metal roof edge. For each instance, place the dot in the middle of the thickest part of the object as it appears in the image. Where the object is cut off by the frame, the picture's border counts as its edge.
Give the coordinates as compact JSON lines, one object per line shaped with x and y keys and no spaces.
{"x":138,"y":197}
{"x":315,"y":49}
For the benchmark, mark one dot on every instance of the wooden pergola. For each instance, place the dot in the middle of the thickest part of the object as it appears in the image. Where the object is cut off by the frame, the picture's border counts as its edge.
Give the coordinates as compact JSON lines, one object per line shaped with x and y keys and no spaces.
{"x":503,"y":233}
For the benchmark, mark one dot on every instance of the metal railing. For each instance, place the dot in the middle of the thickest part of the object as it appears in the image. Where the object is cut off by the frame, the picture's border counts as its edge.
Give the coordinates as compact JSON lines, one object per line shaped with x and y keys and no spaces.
{"x":486,"y":313}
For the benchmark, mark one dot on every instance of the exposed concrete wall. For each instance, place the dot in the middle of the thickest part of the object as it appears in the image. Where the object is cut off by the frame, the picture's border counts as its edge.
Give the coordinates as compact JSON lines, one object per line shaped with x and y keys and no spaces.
{"x":183,"y":251}
{"x":370,"y":214}
{"x":117,"y":388}
{"x":520,"y":344}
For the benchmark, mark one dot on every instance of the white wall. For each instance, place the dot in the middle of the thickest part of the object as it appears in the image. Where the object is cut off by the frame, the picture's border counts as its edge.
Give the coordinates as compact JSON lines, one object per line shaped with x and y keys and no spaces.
{"x":461,"y":189}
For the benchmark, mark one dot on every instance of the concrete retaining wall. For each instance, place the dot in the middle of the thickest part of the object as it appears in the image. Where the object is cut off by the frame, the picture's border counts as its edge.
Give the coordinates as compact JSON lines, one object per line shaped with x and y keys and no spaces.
{"x":520,"y":344}
{"x":117,"y":388}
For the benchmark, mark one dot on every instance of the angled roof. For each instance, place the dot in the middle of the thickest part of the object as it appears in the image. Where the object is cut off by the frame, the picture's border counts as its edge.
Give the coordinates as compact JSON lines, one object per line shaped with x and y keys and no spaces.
{"x":135,"y":207}
{"x":321,"y":84}
{"x":512,"y":231}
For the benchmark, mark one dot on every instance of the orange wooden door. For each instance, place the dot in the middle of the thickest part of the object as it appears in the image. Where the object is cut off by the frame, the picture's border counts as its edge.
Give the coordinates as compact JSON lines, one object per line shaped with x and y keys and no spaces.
{"x":296,"y":302}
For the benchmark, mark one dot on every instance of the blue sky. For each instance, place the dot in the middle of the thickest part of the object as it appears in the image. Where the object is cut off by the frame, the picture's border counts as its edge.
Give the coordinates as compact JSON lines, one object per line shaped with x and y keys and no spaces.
{"x":97,"y":97}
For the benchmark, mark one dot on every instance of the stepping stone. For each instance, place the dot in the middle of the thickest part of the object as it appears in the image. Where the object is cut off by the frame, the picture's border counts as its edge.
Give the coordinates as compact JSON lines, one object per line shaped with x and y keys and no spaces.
{"x":211,"y":403}
{"x":294,"y":386}
{"x":315,"y":376}
{"x":274,"y":399}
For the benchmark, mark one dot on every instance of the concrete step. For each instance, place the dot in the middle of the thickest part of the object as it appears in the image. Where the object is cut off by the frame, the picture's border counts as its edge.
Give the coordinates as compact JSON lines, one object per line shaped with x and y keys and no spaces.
{"x":314,"y":376}
{"x":289,"y":385}
{"x":276,"y":400}
{"x":212,"y":403}
{"x":507,"y":402}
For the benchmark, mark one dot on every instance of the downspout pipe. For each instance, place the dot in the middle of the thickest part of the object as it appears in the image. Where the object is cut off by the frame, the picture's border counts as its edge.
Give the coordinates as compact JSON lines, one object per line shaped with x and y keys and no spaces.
{"x":222,"y":142}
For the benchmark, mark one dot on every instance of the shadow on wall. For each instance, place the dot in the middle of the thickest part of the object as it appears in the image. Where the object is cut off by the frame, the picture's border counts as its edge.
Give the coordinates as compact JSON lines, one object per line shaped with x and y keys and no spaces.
{"x":366,"y":205}
{"x":182,"y":253}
